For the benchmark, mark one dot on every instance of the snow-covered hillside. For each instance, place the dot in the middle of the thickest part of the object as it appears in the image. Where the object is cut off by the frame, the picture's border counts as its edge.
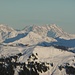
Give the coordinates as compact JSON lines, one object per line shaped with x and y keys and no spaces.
{"x":47,"y":45}
{"x":51,"y":55}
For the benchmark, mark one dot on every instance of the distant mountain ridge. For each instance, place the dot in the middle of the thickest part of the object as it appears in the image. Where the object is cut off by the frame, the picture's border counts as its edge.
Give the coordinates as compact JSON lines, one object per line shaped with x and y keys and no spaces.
{"x":51,"y":30}
{"x":32,"y":33}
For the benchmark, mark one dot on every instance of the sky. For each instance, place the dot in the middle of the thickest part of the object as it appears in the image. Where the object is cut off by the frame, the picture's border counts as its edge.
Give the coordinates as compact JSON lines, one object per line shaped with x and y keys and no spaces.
{"x":19,"y":13}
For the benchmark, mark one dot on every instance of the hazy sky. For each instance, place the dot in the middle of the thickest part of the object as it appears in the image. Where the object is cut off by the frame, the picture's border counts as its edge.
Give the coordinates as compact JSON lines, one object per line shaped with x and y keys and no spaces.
{"x":18,"y":13}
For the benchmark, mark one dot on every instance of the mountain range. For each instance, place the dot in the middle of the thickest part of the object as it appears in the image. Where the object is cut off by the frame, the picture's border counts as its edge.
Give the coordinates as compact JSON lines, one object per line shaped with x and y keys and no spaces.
{"x":50,"y":42}
{"x":32,"y":33}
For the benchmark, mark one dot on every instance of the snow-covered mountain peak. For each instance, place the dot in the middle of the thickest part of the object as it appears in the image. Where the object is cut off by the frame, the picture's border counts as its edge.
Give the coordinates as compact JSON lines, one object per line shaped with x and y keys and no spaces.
{"x":5,"y":28}
{"x":52,"y":25}
{"x":6,"y":32}
{"x":50,"y":30}
{"x":32,"y":27}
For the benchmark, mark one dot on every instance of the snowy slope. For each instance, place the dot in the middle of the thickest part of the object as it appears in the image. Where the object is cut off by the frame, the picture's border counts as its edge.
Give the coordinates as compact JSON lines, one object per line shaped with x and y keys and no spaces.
{"x":45,"y":54}
{"x":33,"y":38}
{"x":55,"y":56}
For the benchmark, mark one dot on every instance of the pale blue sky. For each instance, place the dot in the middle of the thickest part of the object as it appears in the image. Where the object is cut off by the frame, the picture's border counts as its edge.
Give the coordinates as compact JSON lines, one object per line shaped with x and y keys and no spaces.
{"x":18,"y":13}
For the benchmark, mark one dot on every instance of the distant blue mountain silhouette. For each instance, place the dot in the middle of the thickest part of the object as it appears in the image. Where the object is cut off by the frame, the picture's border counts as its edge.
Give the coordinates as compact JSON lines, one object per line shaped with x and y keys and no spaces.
{"x":19,"y":36}
{"x":60,"y":42}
